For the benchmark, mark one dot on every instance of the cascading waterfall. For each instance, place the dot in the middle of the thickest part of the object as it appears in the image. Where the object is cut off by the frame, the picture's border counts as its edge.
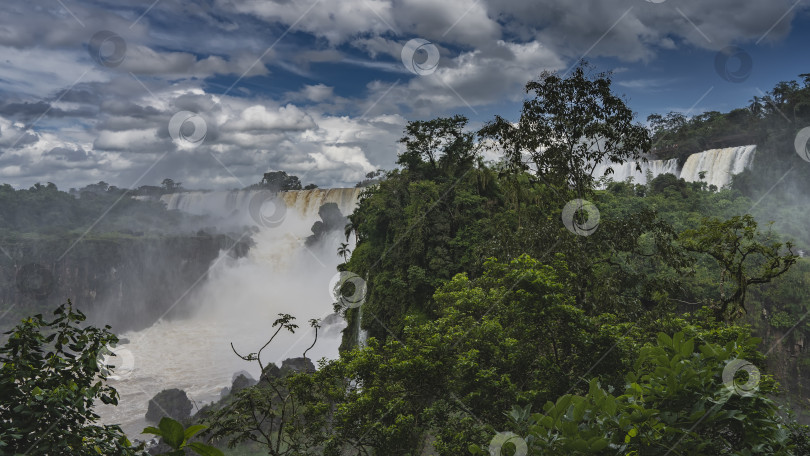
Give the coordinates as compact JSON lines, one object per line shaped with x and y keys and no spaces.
{"x":237,"y":303}
{"x":719,"y":166}
{"x":628,"y":169}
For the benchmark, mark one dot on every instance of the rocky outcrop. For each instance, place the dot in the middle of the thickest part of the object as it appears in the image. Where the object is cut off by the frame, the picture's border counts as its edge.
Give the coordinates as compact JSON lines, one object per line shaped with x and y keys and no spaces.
{"x":173,"y":403}
{"x":241,"y":381}
{"x":331,"y":220}
{"x":297,"y":365}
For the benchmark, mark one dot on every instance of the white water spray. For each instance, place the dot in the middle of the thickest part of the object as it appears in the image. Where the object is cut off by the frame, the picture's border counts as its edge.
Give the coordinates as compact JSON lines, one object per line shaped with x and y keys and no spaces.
{"x":237,"y":303}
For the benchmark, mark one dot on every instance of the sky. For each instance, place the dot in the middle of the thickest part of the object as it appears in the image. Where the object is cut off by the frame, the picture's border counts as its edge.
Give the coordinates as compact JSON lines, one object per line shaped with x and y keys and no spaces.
{"x":213,"y":93}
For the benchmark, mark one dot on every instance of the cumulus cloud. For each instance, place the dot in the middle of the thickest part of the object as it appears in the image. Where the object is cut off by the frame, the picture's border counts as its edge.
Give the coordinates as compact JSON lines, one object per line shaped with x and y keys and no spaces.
{"x":258,"y":74}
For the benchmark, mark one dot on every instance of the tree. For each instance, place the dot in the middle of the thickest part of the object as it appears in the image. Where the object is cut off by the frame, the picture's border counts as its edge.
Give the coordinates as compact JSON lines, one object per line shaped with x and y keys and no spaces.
{"x":441,"y":144}
{"x":170,"y":185}
{"x":344,"y":251}
{"x":280,"y":181}
{"x":679,"y":399}
{"x":50,"y":378}
{"x":510,"y":335}
{"x":569,"y":126}
{"x":746,"y":255}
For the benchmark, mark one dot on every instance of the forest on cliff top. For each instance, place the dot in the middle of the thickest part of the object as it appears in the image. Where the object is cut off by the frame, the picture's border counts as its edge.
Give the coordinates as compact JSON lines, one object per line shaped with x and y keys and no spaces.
{"x":513,"y":308}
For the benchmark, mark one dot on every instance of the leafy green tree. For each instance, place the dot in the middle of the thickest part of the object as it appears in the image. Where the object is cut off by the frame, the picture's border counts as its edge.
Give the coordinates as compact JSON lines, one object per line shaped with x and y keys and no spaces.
{"x":511,"y":335}
{"x":435,"y":145}
{"x":344,"y":251}
{"x":682,"y":397}
{"x":569,"y":126}
{"x":280,"y":181}
{"x":50,"y":379}
{"x":177,"y":437}
{"x":746,"y":257}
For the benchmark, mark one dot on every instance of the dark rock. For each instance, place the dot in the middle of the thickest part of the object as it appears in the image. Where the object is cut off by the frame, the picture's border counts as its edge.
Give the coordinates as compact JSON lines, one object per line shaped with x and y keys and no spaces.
{"x":173,"y":403}
{"x":271,"y":371}
{"x":331,"y":220}
{"x":297,"y":365}
{"x":241,"y":382}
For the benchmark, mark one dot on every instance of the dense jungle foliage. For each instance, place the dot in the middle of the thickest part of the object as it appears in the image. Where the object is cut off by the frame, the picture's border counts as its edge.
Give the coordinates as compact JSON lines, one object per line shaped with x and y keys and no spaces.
{"x":663,"y":318}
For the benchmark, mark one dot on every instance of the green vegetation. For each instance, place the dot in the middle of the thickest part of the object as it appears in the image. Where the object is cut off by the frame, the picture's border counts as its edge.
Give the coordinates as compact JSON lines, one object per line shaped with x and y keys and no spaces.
{"x":177,"y":437}
{"x":51,"y":375}
{"x":664,"y":327}
{"x":43,"y":211}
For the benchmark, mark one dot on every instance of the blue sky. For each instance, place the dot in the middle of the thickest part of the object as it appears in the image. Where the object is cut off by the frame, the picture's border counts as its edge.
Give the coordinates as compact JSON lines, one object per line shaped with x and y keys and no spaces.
{"x":320,"y":88}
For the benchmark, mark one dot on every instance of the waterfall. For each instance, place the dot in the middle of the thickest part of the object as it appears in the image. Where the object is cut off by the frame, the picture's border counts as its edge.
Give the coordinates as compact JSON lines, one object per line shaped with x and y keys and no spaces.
{"x":238,"y":301}
{"x":628,"y":169}
{"x":237,"y":202}
{"x":719,"y":165}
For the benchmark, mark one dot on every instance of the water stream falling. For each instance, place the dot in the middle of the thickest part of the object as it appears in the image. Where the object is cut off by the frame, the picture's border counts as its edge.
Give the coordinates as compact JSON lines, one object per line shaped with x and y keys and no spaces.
{"x":237,"y":303}
{"x":719,"y":166}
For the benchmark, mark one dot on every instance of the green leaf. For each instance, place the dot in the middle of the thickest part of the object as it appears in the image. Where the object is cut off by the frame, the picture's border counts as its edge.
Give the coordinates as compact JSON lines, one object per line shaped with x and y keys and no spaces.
{"x":172,"y":432}
{"x":191,"y":431}
{"x":687,"y":348}
{"x":205,"y":450}
{"x":152,"y":430}
{"x":598,"y":444}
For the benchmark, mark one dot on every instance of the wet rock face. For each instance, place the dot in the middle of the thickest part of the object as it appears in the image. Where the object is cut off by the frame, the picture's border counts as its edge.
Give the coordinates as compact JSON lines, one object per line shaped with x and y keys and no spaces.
{"x":173,"y":403}
{"x":120,"y":280}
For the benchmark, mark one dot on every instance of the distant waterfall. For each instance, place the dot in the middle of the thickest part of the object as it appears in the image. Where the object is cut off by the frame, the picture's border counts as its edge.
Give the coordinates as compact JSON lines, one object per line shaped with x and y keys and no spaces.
{"x":628,"y":169}
{"x":719,"y":165}
{"x":238,"y":300}
{"x":236,"y":202}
